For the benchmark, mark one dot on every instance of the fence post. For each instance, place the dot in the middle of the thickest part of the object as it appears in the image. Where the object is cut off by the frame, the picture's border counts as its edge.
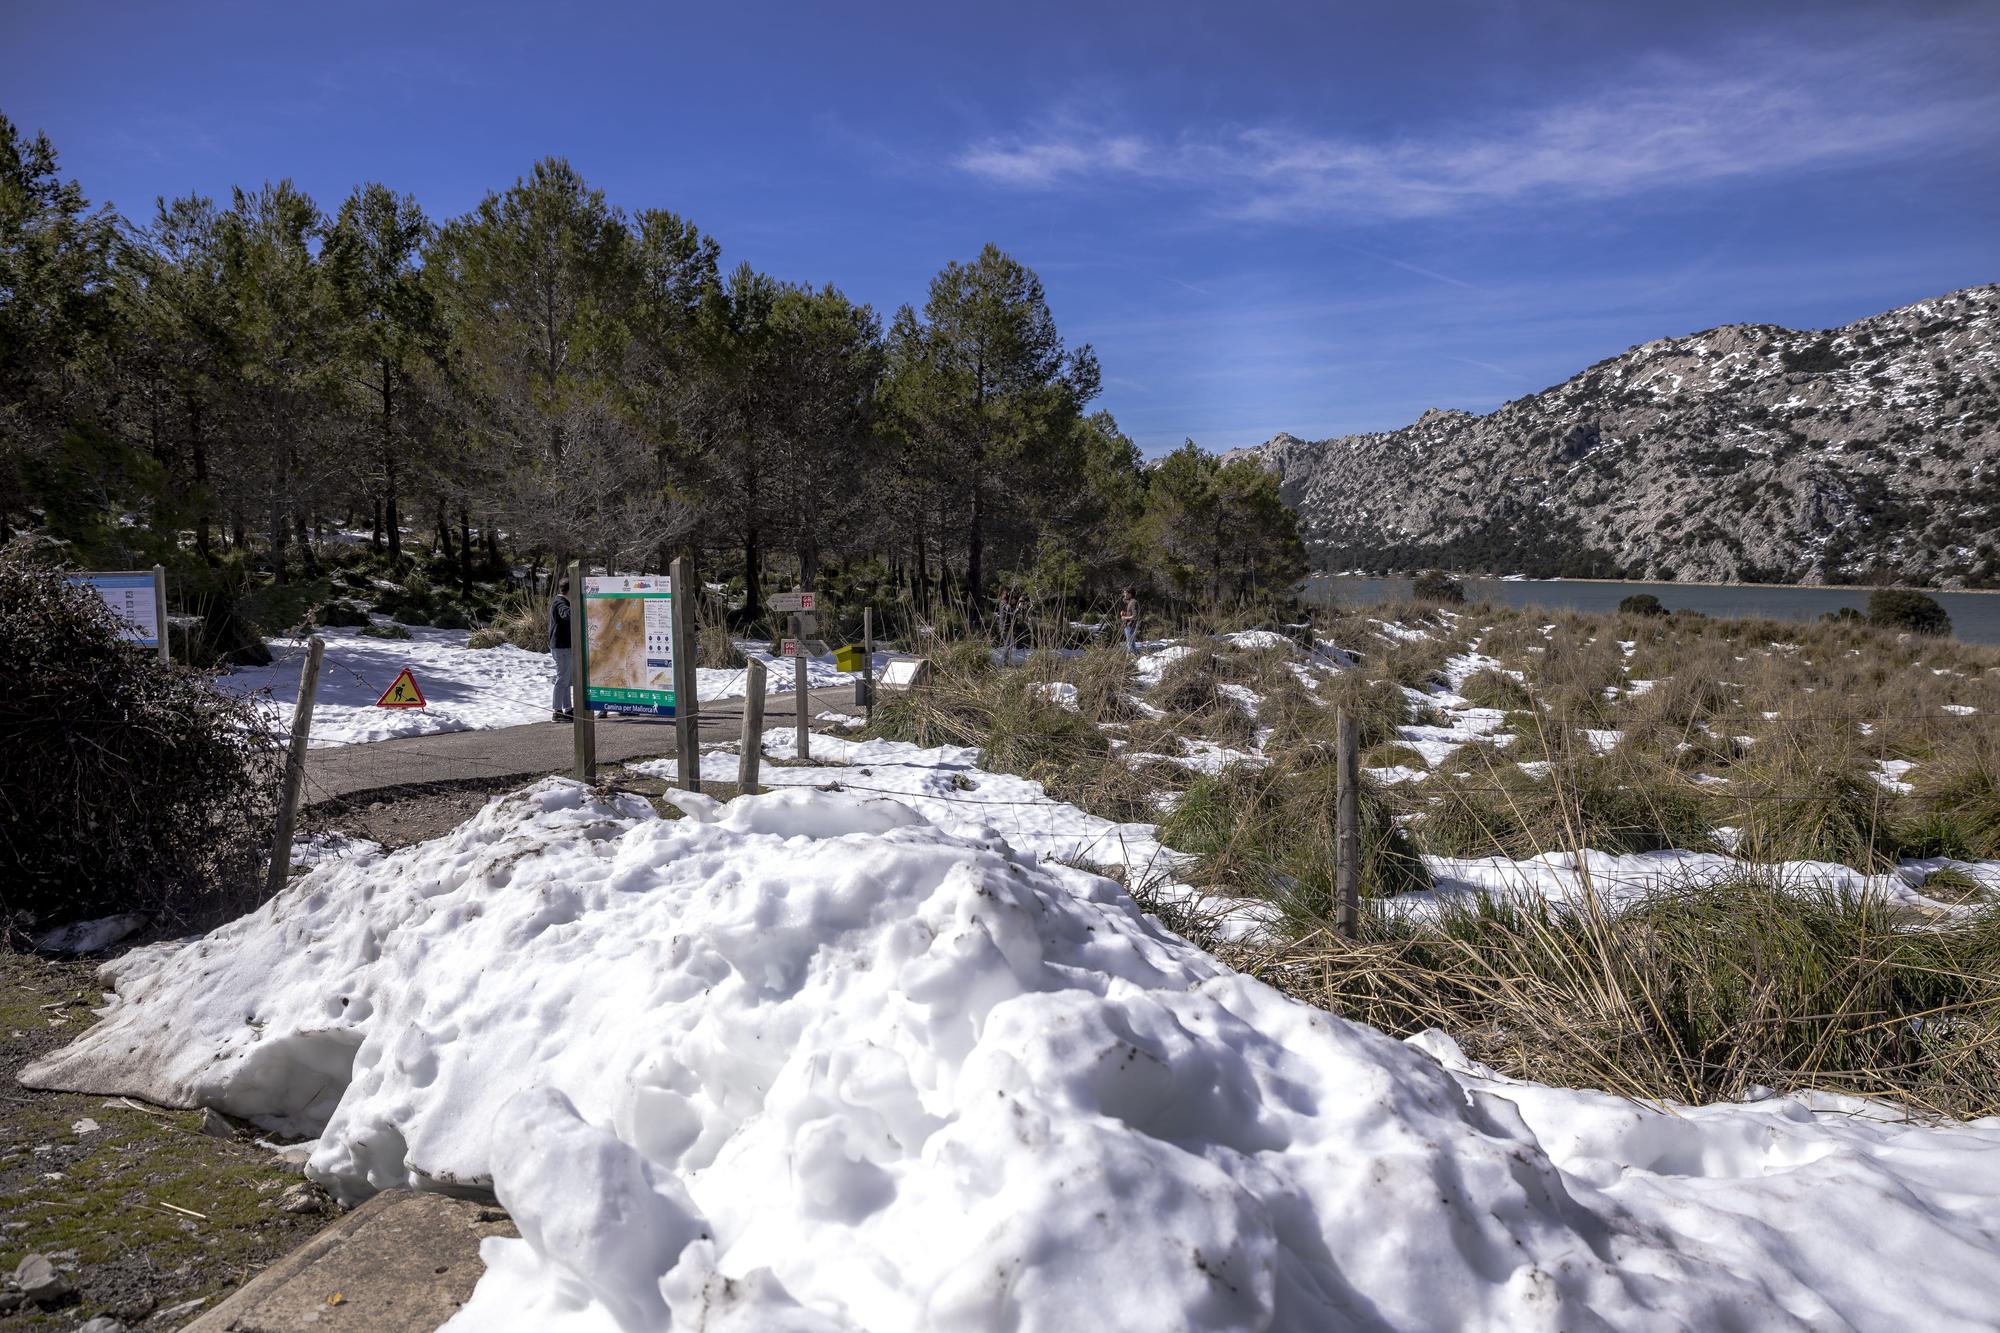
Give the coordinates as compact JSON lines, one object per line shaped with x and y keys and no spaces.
{"x":751,"y":748}
{"x":687,"y":704}
{"x":295,"y":771}
{"x":1347,"y":881}
{"x":868,"y":662}
{"x":160,"y":611}
{"x":584,"y":721}
{"x":799,"y":685}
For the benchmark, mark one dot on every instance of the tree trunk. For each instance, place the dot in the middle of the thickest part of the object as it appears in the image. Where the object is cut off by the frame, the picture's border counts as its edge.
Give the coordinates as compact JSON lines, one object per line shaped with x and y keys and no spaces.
{"x":277,"y":539}
{"x":198,"y":454}
{"x":464,"y":550}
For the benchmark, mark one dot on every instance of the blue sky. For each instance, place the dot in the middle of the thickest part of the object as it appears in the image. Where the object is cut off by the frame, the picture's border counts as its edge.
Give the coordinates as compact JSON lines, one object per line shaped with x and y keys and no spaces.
{"x":1318,"y":218}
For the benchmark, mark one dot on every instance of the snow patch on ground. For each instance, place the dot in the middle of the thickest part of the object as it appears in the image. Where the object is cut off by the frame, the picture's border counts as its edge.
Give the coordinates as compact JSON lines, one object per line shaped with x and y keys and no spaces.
{"x":808,"y":1061}
{"x":465,"y":689}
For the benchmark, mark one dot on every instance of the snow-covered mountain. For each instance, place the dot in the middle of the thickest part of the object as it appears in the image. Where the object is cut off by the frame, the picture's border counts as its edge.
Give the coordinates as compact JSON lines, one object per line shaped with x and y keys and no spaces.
{"x":1747,"y":452}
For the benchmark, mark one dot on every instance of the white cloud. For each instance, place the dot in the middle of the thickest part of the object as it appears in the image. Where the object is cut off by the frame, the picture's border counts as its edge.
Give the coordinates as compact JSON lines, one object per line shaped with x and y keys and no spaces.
{"x":1663,"y":126}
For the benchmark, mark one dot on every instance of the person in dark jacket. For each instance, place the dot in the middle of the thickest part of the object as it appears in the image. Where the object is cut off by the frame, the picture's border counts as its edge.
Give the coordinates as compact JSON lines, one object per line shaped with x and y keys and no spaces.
{"x":1128,"y":619}
{"x":559,"y":651}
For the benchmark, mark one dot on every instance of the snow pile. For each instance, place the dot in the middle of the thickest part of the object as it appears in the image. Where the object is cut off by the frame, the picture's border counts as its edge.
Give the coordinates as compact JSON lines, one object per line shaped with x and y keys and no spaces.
{"x":806,"y":1061}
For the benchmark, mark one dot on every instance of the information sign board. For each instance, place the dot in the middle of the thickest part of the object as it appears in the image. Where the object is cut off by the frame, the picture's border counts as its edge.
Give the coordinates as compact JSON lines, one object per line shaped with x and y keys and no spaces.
{"x":133,"y":597}
{"x":629,"y":643}
{"x":787,"y":602}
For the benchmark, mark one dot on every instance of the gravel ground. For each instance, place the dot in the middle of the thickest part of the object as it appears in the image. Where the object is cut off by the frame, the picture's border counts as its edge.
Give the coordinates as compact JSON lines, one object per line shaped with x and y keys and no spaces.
{"x":138,"y":1209}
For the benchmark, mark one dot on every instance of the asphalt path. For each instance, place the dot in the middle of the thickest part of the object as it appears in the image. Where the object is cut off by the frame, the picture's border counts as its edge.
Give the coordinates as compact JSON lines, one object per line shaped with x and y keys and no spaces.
{"x":344,"y":772}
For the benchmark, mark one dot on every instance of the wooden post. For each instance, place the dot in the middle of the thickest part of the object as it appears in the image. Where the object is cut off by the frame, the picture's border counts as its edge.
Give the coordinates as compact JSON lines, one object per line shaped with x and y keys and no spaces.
{"x":584,"y":721}
{"x":751,"y":748}
{"x":160,"y":610}
{"x":799,"y":685}
{"x":687,"y":704}
{"x":295,"y":771}
{"x":868,"y":662}
{"x":1347,"y":880}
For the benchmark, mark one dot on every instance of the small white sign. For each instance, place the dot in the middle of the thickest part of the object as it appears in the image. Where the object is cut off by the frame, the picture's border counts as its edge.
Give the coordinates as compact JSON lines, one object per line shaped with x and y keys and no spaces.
{"x":787,"y":602}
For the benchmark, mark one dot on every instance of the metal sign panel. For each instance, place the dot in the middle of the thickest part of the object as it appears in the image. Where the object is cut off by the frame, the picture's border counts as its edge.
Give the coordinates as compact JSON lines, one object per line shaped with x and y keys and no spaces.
{"x":787,"y":602}
{"x":133,"y":597}
{"x":629,"y":643}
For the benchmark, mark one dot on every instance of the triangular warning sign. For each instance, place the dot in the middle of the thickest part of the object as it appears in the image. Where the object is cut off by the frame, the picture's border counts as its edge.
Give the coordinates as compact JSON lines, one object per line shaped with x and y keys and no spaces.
{"x":402,"y":693}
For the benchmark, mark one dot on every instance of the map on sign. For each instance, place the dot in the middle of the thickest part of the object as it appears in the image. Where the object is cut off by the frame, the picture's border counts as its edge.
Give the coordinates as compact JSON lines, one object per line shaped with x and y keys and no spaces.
{"x":132,"y":598}
{"x":628,"y":627}
{"x":787,"y":602}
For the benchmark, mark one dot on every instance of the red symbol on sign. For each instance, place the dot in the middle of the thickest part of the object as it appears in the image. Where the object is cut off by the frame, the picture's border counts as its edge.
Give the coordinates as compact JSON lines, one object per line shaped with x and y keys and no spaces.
{"x":402,"y":693}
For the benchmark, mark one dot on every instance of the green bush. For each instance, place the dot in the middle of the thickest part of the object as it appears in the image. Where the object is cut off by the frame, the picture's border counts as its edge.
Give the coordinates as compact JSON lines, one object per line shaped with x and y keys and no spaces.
{"x":151,"y":791}
{"x":1435,"y":585}
{"x":1907,"y":609}
{"x":388,"y":630}
{"x":1641,"y":604}
{"x":341,"y":615}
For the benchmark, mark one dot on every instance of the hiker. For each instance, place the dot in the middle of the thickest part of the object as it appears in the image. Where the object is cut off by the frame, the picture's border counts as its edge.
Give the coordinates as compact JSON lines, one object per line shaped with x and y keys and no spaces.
{"x":559,"y":651}
{"x":1128,"y":617}
{"x":1010,"y":622}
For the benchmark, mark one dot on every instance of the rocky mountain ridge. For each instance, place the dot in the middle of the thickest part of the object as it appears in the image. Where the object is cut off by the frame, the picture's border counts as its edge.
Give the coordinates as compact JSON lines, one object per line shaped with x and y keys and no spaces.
{"x":1747,"y":452}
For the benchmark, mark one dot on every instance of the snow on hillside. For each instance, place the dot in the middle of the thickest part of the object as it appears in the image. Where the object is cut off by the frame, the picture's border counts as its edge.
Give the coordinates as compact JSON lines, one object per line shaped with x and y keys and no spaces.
{"x":465,"y":689}
{"x":808,"y":1061}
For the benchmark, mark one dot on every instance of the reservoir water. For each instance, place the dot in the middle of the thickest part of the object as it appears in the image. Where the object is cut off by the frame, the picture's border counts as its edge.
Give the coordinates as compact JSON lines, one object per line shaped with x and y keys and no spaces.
{"x":1975,"y":616}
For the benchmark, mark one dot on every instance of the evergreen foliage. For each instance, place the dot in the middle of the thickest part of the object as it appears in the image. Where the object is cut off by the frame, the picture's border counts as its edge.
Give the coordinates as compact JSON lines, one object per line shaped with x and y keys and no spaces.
{"x":1907,"y":609}
{"x":218,"y":386}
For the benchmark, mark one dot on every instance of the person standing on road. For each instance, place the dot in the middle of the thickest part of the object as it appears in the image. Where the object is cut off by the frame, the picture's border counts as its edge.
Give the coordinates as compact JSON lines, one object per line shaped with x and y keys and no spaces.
{"x":1128,"y":619}
{"x":559,"y":651}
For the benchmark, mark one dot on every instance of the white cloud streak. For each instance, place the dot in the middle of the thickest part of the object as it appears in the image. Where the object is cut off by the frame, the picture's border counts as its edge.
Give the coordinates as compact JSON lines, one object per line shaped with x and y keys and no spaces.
{"x":1666,"y":126}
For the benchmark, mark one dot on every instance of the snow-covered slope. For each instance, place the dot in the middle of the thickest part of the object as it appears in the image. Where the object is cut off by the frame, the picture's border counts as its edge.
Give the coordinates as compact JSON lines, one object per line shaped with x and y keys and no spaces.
{"x":1742,"y":452}
{"x":805,"y":1061}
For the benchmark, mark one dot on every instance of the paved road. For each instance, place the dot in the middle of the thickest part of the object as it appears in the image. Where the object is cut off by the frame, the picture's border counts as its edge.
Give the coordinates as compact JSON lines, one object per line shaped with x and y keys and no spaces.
{"x":532,"y":751}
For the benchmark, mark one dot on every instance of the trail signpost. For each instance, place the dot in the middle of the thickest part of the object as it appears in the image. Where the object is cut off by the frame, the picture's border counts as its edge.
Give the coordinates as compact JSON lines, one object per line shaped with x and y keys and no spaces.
{"x":138,"y":598}
{"x":790,"y":603}
{"x":628,"y":622}
{"x":796,"y":650}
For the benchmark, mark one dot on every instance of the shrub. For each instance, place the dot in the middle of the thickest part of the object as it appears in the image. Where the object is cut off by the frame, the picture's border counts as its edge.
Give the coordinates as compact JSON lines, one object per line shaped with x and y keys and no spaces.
{"x":340,"y":615}
{"x":523,"y":621}
{"x":391,"y":630}
{"x":1271,"y":833}
{"x":1435,"y":585}
{"x":1804,"y":799}
{"x":1641,"y":604}
{"x":1495,"y":689}
{"x":1608,"y":803}
{"x":150,"y":791}
{"x":1960,"y":789}
{"x":1697,"y":994}
{"x":1907,"y":609}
